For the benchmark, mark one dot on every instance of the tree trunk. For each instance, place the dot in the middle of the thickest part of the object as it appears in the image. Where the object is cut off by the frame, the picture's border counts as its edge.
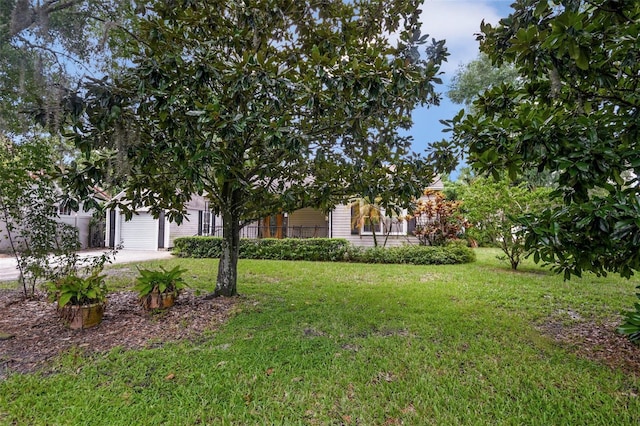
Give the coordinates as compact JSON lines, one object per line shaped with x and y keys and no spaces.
{"x":226,"y":284}
{"x":373,"y":231}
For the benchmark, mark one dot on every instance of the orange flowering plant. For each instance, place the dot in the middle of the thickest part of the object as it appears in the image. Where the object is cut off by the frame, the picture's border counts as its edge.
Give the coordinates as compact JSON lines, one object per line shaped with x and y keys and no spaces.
{"x":438,"y":220}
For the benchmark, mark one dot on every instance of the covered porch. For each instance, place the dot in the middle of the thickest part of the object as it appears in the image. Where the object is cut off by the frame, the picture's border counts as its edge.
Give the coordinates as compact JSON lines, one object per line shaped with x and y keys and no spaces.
{"x":303,"y":223}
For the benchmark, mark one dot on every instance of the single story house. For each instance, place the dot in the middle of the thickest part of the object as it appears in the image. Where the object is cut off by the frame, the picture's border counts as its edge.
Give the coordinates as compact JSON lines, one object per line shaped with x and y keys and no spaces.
{"x":144,"y":232}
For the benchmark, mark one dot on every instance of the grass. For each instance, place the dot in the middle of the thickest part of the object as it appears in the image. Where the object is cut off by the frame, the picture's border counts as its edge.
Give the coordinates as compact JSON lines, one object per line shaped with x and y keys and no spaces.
{"x":328,"y":343}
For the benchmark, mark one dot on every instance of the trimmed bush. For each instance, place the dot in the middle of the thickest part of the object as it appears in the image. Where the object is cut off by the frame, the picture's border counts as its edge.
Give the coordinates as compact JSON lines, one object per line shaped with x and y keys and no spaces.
{"x":317,"y":249}
{"x":197,"y":247}
{"x":415,"y":255}
{"x":326,"y":250}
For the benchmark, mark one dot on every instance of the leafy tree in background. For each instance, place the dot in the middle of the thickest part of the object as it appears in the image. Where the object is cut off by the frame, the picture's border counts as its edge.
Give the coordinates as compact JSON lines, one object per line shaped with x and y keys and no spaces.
{"x":28,"y":211}
{"x":263,"y":106}
{"x":479,"y":75}
{"x":453,"y":188}
{"x":472,"y":79}
{"x":493,"y":208}
{"x":577,"y":115}
{"x":46,"y":47}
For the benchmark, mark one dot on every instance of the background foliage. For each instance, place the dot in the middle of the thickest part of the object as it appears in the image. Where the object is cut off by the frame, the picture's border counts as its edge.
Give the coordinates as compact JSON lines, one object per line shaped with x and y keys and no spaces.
{"x":576,"y":115}
{"x":438,"y":220}
{"x":494,"y":207}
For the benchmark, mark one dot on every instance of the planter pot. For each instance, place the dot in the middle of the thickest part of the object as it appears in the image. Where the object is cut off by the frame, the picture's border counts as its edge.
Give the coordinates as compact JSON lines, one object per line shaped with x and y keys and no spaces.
{"x":78,"y":317}
{"x":155,"y":300}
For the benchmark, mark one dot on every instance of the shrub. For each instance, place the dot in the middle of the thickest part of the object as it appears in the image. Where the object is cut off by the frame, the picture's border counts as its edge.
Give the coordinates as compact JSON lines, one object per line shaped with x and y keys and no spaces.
{"x":198,"y":247}
{"x":74,"y":290}
{"x":496,"y":210}
{"x":631,"y":325}
{"x":438,"y":220}
{"x":327,"y":250}
{"x":416,"y":255}
{"x":160,"y":281}
{"x":316,"y":249}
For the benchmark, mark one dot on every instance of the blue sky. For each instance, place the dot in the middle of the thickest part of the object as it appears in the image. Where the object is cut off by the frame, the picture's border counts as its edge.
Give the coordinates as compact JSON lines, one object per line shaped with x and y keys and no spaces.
{"x":456,"y":21}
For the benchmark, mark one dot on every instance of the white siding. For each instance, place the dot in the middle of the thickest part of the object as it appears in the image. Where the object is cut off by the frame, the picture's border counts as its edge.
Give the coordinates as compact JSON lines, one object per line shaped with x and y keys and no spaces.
{"x":5,"y":246}
{"x":341,"y":228}
{"x":81,"y":223}
{"x":188,"y":227}
{"x":249,"y":231}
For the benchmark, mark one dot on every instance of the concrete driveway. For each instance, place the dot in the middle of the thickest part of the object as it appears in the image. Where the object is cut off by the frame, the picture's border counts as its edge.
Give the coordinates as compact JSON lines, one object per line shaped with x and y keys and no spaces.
{"x":9,"y":272}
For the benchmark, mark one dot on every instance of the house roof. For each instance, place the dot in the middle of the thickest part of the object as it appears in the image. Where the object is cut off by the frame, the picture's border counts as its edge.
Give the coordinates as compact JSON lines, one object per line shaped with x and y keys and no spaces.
{"x":436,"y":184}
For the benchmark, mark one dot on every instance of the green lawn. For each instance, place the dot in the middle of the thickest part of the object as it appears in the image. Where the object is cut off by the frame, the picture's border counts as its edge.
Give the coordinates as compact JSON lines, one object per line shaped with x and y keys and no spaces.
{"x":329,"y":343}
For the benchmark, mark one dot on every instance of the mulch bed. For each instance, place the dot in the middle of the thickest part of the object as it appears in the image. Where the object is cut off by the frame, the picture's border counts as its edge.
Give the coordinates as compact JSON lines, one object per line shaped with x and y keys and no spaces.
{"x":597,"y":341}
{"x":31,"y":333}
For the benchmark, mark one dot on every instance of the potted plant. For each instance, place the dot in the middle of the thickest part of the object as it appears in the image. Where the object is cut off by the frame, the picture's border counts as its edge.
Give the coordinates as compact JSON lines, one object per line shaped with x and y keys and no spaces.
{"x":81,"y":300}
{"x":159,"y":289}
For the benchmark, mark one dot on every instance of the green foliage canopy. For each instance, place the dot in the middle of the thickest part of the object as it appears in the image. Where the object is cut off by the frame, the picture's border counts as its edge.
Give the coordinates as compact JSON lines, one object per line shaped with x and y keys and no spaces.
{"x":493,"y":209}
{"x":577,"y":114}
{"x":264,"y":106}
{"x":46,"y":47}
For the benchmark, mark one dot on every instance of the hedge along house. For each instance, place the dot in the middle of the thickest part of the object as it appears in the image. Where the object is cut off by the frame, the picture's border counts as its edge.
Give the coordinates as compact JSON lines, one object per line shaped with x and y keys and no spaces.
{"x":144,"y":232}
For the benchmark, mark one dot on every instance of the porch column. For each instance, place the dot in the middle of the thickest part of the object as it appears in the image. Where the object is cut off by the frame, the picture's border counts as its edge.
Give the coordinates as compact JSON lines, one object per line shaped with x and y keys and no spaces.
{"x":118,"y":238}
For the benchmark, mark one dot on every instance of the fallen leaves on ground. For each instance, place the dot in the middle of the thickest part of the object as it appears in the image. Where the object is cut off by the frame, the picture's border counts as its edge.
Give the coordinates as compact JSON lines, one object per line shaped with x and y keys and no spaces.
{"x":37,"y":335}
{"x":596,"y":341}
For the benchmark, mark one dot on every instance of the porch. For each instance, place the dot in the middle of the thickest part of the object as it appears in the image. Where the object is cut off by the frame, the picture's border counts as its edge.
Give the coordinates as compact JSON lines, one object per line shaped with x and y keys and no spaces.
{"x":303,"y":223}
{"x":268,"y":231}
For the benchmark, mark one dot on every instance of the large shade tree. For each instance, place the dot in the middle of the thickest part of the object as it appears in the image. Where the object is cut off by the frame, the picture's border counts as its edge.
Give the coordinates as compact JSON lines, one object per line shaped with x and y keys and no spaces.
{"x":473,"y":79}
{"x":578,"y":115}
{"x":263,"y":106}
{"x":46,"y":47}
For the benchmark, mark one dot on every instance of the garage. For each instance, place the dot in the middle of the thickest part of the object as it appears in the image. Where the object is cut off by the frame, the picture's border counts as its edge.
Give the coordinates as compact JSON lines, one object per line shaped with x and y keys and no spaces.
{"x":142,"y":232}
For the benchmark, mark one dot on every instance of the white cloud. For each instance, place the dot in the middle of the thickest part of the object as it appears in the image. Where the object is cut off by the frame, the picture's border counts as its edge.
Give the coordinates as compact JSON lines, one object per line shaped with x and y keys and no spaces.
{"x":457,"y":21}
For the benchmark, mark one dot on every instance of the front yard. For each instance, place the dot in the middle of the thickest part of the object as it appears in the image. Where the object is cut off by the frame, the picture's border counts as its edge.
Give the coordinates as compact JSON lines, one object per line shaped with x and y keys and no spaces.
{"x":332,"y":343}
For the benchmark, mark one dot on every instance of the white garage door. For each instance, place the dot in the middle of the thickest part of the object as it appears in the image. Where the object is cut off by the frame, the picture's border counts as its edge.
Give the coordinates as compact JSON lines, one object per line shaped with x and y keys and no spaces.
{"x":139,"y":233}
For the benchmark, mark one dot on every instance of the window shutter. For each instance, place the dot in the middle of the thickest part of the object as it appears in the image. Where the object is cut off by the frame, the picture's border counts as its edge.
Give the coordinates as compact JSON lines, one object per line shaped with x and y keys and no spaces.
{"x":411,"y":226}
{"x":200,"y":222}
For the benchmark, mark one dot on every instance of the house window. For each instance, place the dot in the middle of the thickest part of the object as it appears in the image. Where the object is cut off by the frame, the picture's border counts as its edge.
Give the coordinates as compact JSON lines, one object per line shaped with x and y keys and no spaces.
{"x":368,"y":226}
{"x":64,"y":210}
{"x":206,"y":221}
{"x":385,"y":226}
{"x":394,"y":225}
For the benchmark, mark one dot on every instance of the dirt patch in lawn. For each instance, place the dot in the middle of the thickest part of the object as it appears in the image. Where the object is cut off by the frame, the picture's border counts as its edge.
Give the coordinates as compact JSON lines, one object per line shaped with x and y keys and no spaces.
{"x":31,"y":333}
{"x":597,"y":341}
